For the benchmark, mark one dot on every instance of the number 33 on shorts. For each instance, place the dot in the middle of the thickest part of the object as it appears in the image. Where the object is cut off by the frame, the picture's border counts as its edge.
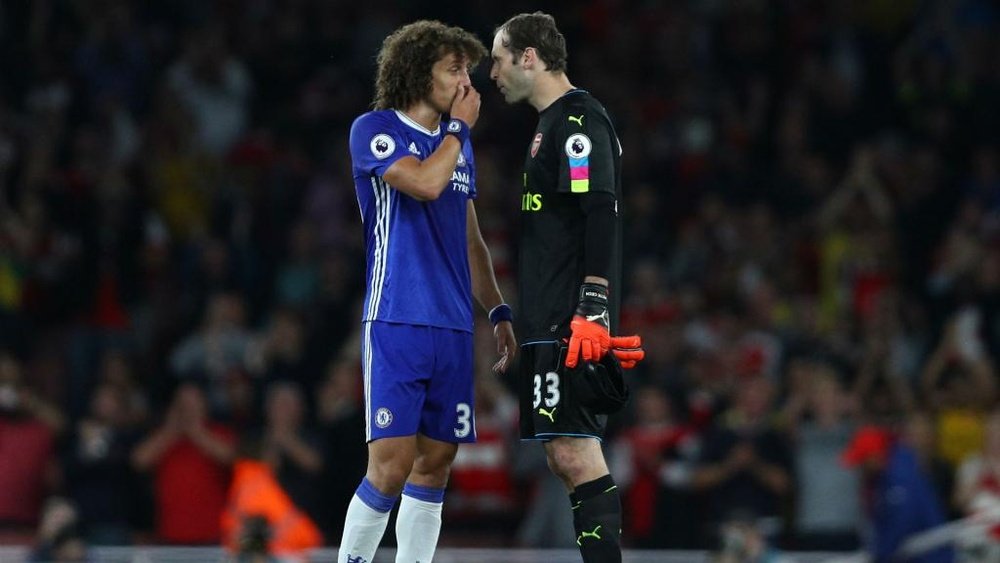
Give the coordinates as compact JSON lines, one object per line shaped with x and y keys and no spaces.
{"x":550,"y":393}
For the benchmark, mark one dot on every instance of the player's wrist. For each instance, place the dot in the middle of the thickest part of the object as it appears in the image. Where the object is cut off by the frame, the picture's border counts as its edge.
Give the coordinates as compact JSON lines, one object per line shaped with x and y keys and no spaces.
{"x":459,"y":129}
{"x":594,"y":293}
{"x":593,"y":298}
{"x":500,"y":313}
{"x":593,"y":304}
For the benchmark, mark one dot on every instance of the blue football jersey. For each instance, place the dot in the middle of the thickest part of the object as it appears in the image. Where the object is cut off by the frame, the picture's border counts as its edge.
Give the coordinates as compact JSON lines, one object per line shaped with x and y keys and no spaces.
{"x":417,"y":253}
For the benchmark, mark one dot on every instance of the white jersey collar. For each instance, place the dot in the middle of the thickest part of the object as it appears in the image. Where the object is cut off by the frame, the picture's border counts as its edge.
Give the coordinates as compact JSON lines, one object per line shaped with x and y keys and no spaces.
{"x":413,"y":124}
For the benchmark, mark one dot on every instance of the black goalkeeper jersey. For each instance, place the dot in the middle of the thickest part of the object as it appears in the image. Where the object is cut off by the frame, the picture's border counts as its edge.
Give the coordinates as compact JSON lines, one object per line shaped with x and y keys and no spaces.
{"x":574,"y":152}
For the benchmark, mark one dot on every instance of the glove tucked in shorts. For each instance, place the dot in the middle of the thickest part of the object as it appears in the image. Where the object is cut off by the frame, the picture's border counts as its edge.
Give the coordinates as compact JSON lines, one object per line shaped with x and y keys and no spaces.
{"x":559,"y":401}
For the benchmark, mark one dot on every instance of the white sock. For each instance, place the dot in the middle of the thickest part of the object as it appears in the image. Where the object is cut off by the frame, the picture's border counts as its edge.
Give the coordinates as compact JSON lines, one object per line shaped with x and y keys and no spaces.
{"x":364,"y":526}
{"x":418,"y":524}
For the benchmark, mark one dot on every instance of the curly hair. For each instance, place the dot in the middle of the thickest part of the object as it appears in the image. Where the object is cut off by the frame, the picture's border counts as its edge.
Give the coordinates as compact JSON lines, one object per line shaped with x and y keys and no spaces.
{"x":408,"y":55}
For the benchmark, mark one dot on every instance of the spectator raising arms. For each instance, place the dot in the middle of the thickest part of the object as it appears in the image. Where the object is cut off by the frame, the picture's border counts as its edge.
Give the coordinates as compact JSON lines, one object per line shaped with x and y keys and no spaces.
{"x":189,"y":457}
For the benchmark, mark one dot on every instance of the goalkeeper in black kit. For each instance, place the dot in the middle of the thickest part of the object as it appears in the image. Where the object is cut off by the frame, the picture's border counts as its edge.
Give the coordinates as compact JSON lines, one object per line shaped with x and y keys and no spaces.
{"x":569,"y":276}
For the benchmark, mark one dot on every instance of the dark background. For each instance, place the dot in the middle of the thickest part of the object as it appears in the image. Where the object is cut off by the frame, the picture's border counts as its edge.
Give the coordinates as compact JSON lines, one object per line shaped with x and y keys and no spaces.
{"x":806,"y":181}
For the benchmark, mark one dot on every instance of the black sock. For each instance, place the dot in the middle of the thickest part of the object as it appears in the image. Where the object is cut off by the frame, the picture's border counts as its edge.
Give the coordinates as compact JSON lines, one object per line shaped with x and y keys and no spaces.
{"x":597,"y":517}
{"x":574,"y":504}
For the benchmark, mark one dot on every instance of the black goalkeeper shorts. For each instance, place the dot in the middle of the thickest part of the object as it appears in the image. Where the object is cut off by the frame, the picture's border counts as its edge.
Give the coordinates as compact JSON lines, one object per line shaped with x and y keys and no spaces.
{"x":557,"y":401}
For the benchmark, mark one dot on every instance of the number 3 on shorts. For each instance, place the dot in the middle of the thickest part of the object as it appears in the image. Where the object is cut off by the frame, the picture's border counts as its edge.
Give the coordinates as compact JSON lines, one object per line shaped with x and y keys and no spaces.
{"x":551,"y":390}
{"x":464,"y":413}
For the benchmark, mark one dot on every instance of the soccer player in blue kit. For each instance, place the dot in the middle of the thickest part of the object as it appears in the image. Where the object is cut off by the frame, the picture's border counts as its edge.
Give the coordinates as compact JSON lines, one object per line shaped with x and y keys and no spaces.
{"x":414,"y":175}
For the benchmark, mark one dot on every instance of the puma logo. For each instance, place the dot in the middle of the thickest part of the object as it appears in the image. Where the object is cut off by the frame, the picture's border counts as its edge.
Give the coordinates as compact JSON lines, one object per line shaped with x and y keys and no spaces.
{"x":357,"y":559}
{"x":578,"y":120}
{"x":594,"y":318}
{"x":551,"y":414}
{"x":585,"y":534}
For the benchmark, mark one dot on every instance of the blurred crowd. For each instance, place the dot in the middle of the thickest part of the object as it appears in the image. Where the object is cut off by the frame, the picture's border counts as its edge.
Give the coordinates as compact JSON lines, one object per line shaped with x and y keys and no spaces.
{"x":812,"y":225}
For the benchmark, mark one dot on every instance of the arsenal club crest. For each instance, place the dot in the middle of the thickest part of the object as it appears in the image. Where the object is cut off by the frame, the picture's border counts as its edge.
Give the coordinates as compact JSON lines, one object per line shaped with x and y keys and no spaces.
{"x":537,"y":142}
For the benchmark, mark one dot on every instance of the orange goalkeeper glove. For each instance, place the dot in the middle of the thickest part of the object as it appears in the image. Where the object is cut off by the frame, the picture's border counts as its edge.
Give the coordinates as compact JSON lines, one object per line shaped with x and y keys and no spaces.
{"x":589,"y":339}
{"x":628,"y":350}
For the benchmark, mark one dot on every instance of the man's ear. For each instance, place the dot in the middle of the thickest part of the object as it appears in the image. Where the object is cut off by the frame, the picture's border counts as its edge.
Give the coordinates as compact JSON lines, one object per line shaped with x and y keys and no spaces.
{"x":529,"y":58}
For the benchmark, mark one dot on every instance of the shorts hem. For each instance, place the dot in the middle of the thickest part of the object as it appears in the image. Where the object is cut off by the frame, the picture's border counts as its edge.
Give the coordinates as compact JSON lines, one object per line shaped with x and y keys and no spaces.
{"x":400,"y":435}
{"x":449,"y":440}
{"x":452,"y":439}
{"x":548,"y":436}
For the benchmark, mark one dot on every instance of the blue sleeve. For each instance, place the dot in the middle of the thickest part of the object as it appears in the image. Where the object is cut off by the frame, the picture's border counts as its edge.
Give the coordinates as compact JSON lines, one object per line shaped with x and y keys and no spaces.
{"x":376,"y":143}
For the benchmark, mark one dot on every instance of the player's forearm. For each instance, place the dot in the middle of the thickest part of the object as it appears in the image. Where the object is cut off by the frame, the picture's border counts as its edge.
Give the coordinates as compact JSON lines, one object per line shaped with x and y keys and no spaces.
{"x":484,"y":283}
{"x":600,"y":237}
{"x":439,"y":167}
{"x":426,"y":180}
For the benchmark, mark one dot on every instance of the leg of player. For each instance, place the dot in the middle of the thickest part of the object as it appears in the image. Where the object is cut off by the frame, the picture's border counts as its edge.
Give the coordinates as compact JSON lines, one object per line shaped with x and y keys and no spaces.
{"x":597,"y":511}
{"x":418,"y":523}
{"x":389,"y":462}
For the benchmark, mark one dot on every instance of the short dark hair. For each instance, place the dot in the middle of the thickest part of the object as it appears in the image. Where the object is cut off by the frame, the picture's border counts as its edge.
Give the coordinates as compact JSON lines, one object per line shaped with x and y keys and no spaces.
{"x":408,"y":55}
{"x":539,"y":31}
